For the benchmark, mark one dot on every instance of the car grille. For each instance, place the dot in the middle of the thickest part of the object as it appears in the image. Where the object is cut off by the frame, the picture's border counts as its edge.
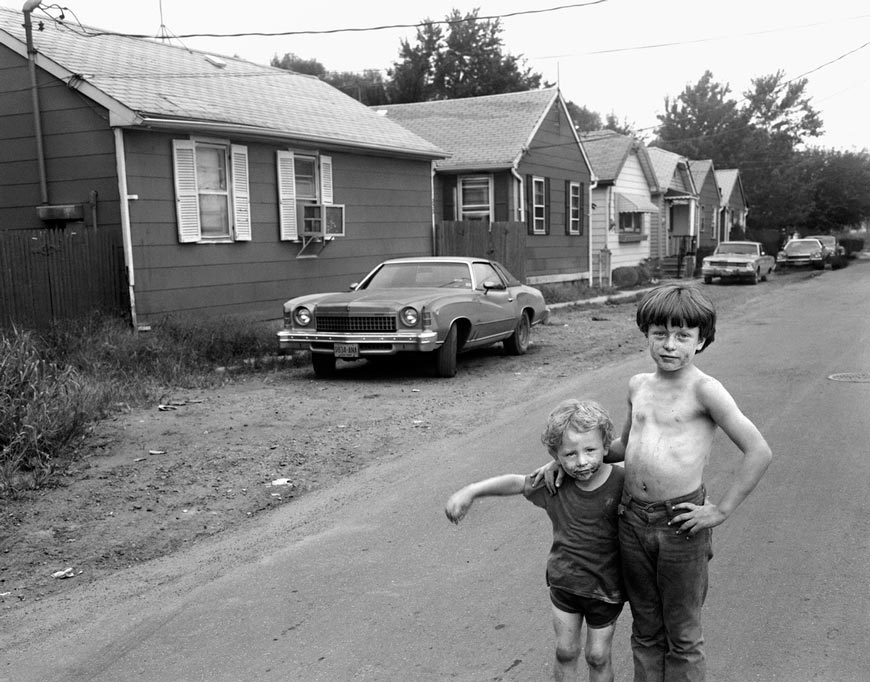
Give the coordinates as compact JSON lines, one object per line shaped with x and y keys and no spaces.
{"x":356,"y":323}
{"x":719,"y":263}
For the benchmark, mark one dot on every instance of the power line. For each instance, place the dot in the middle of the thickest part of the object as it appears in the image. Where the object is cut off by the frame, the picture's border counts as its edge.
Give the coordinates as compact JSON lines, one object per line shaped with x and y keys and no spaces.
{"x":270,"y":34}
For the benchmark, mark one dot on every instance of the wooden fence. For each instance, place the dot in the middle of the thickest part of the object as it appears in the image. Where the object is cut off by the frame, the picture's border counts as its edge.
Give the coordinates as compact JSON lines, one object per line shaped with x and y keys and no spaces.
{"x":50,"y":274}
{"x":503,"y":242}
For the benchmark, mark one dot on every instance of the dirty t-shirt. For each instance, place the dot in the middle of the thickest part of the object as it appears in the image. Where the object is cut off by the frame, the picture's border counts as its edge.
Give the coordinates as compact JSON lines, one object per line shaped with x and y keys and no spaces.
{"x":584,"y":558}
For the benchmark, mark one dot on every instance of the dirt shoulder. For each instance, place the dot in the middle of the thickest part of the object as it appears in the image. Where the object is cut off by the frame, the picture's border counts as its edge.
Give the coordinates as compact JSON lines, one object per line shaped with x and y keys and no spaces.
{"x":154,"y":480}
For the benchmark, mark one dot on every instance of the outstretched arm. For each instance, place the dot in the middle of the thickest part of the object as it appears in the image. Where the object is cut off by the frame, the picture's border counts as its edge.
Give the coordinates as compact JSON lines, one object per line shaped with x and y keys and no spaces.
{"x":460,"y":501}
{"x":756,"y":458}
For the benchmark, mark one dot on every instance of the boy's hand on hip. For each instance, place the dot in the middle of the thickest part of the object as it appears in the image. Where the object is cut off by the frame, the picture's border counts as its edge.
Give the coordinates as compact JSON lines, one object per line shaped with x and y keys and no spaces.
{"x":696,"y":517}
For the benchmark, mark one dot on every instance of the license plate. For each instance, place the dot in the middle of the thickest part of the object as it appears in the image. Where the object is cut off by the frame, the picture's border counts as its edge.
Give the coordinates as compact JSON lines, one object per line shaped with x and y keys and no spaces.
{"x":346,"y":350}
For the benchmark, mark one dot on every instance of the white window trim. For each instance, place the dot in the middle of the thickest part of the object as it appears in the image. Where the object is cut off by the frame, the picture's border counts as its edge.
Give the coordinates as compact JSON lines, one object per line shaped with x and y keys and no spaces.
{"x":288,"y":211}
{"x":535,"y":206}
{"x":574,"y":223}
{"x":187,"y":192}
{"x":476,"y":213}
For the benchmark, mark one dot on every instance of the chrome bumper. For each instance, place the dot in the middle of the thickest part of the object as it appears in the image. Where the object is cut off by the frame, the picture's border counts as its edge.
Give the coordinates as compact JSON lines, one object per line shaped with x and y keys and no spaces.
{"x":369,"y":344}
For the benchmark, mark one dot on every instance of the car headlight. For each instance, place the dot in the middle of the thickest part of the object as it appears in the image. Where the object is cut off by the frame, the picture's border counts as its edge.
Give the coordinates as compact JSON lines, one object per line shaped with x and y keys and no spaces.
{"x":302,"y":316}
{"x":409,"y":316}
{"x":750,"y":266}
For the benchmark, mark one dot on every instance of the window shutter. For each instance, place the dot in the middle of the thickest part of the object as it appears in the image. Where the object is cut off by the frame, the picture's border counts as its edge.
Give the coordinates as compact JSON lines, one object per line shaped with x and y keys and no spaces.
{"x":584,"y":208}
{"x":530,"y":205}
{"x":547,"y":204}
{"x":567,"y":207}
{"x":326,"y":179}
{"x":289,"y":230}
{"x":241,"y":193}
{"x":186,"y":192}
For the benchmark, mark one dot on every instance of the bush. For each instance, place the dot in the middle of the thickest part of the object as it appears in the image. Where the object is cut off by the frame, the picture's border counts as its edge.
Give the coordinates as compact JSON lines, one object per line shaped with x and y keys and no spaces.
{"x":52,"y":387}
{"x":43,"y":408}
{"x":853,"y":245}
{"x":627,"y":276}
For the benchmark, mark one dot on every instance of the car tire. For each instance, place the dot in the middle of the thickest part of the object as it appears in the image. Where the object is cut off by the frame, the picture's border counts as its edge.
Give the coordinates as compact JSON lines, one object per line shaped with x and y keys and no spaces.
{"x":518,"y":342}
{"x":324,"y":365}
{"x":445,"y":356}
{"x":767,"y":275}
{"x":756,"y":276}
{"x":708,"y":280}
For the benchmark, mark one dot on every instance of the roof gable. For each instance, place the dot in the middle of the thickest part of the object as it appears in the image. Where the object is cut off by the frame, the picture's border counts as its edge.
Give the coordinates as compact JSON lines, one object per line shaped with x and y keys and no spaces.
{"x":145,"y":82}
{"x":608,"y":152}
{"x":490,"y":132}
{"x":671,"y":170}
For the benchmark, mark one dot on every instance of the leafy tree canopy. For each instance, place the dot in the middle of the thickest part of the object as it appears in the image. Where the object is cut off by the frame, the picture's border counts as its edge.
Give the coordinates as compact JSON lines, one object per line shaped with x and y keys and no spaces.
{"x":466,"y":60}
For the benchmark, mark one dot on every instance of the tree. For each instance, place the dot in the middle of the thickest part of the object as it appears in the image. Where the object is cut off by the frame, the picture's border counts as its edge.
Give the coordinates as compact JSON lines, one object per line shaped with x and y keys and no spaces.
{"x":585,"y":120}
{"x":624,"y":128}
{"x":466,"y":61}
{"x":293,"y":62}
{"x":782,"y":108}
{"x":368,"y":87}
{"x":702,"y":122}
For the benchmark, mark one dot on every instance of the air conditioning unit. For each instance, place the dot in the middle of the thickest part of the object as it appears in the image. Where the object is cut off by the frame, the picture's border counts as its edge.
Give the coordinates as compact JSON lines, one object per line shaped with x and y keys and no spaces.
{"x":323,"y":220}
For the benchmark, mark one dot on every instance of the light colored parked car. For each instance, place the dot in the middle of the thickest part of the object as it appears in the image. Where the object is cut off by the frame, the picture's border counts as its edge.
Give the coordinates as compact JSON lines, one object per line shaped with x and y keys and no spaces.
{"x":798,"y":252}
{"x":745,"y":261}
{"x":435,"y":306}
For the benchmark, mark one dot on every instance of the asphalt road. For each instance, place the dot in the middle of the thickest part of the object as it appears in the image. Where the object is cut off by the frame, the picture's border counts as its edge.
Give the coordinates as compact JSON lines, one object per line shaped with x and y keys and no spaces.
{"x":368,"y":581}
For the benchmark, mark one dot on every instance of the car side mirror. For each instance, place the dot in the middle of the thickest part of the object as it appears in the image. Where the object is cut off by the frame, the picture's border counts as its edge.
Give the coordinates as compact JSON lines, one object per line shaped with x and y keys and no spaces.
{"x":489,"y":284}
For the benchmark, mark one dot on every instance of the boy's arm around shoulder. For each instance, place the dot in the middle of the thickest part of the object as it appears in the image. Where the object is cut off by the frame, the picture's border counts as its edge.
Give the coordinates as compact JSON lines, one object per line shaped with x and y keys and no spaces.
{"x":460,"y":501}
{"x":756,"y":458}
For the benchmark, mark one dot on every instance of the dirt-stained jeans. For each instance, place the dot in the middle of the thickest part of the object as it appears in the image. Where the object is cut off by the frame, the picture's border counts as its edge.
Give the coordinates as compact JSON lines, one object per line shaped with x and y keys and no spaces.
{"x":666,"y":583}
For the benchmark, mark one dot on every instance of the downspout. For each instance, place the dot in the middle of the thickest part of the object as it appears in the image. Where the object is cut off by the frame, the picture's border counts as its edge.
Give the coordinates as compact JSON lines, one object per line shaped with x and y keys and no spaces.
{"x":432,"y":204}
{"x":121,"y":166}
{"x":593,"y":184}
{"x":29,"y":6}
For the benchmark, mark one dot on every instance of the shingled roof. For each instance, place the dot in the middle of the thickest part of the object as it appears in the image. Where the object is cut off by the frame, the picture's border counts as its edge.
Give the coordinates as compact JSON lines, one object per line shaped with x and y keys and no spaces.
{"x":480,"y":133}
{"x":157,"y":84}
{"x":608,"y":150}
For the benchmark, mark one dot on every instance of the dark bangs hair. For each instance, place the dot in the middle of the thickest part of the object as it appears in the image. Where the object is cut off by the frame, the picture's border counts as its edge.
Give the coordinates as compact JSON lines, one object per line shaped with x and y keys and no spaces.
{"x":680,"y":305}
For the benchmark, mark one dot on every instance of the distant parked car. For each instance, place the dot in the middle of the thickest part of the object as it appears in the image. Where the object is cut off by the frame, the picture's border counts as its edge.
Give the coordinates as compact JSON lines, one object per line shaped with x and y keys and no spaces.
{"x":745,"y":261}
{"x":835,"y":254}
{"x":434,"y":306}
{"x":798,"y":252}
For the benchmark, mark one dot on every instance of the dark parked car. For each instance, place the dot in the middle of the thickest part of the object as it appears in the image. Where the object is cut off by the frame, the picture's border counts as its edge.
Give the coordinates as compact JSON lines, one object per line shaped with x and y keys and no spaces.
{"x":835,"y":254}
{"x":802,"y":252}
{"x":436,"y":306}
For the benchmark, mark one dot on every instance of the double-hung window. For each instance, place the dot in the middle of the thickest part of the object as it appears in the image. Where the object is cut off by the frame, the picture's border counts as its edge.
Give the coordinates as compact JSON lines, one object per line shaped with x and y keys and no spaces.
{"x":211,"y":191}
{"x":575,"y":208}
{"x":539,"y":205}
{"x":475,"y":197}
{"x":304,"y":188}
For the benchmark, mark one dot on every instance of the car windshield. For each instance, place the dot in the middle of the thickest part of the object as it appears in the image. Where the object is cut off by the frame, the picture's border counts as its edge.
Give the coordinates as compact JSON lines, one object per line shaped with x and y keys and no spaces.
{"x":726,"y":247}
{"x":830,"y":242}
{"x":409,"y":275}
{"x":802,"y":246}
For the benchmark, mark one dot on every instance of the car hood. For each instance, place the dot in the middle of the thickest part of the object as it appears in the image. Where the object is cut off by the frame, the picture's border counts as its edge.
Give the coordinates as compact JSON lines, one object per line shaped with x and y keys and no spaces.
{"x":375,"y":299}
{"x":732,"y":258}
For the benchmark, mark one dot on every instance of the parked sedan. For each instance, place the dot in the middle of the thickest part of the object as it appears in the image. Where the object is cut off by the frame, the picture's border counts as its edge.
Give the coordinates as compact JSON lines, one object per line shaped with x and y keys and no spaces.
{"x":738,"y":260}
{"x":835,"y":253}
{"x":437,"y":306}
{"x":802,"y":252}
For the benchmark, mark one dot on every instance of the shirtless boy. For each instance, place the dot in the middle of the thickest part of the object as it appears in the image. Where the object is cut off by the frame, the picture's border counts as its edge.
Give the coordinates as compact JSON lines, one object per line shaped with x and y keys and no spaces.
{"x":666,"y":519}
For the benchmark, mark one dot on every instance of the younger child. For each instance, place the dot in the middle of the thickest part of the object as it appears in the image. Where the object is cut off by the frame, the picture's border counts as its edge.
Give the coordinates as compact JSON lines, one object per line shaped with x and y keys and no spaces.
{"x":583,"y":570}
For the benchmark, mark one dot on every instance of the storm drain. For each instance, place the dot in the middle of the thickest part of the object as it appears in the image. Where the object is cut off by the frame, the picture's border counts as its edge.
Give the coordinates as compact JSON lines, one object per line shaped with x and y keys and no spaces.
{"x":853,"y":377}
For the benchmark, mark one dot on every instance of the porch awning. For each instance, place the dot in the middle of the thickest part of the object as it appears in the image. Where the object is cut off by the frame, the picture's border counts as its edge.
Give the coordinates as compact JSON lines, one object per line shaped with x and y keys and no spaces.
{"x":634,"y":203}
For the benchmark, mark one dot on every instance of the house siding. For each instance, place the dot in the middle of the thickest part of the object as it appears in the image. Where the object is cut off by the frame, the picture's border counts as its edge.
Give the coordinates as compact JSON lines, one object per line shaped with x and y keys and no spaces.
{"x":77,"y":144}
{"x":254,"y":278}
{"x":708,"y":212}
{"x":555,"y":154}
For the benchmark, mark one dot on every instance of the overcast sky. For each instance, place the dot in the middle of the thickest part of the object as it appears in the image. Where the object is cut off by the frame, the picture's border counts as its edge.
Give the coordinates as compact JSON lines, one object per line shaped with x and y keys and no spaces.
{"x":620,"y":56}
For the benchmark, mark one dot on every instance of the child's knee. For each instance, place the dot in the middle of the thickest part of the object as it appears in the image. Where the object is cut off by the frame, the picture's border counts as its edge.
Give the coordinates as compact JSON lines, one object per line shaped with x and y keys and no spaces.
{"x":598,"y":657}
{"x":567,"y":654}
